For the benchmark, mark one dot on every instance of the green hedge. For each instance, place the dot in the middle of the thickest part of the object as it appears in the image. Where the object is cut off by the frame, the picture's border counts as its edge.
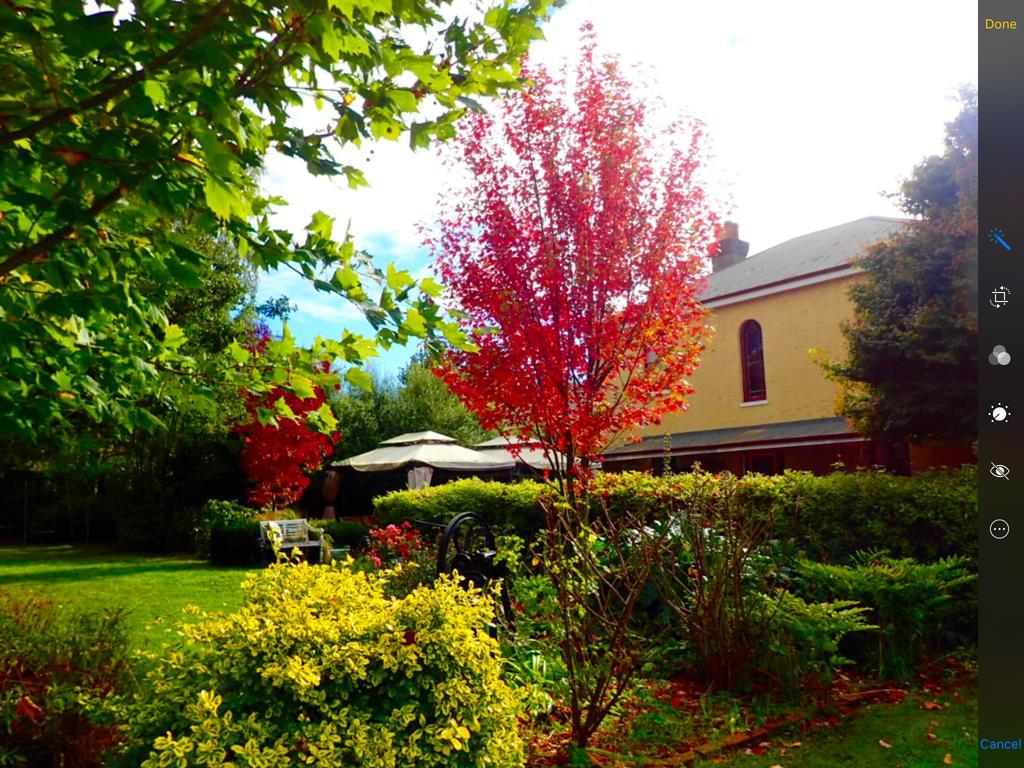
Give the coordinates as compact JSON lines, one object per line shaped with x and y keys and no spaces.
{"x":343,"y":533}
{"x":507,"y":506}
{"x":927,"y":516}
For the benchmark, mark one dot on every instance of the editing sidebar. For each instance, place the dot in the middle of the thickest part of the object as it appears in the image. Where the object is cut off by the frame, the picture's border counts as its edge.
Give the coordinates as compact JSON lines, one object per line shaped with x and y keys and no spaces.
{"x":1001,"y":383}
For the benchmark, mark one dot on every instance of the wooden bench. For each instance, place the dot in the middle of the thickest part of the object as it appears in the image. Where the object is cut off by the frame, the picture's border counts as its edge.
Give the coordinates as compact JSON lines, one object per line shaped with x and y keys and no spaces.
{"x":290,"y":534}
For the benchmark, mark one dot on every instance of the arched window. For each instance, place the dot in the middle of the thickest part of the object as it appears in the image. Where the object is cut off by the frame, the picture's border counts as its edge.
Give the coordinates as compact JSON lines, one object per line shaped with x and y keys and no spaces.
{"x":752,"y":360}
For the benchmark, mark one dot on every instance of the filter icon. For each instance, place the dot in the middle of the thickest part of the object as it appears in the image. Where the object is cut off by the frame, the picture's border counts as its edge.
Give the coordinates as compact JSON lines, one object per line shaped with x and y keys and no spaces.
{"x":999,"y":356}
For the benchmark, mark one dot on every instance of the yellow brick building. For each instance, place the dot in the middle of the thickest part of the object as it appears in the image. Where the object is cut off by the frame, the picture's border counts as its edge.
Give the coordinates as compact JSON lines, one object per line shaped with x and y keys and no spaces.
{"x":761,"y":403}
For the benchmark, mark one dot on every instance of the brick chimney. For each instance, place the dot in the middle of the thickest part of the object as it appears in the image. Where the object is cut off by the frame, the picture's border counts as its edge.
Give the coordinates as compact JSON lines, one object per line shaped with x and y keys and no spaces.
{"x":731,"y":250}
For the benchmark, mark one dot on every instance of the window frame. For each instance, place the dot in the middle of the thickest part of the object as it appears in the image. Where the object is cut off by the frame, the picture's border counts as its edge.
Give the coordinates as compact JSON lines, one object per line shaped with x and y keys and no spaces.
{"x":749,"y":395}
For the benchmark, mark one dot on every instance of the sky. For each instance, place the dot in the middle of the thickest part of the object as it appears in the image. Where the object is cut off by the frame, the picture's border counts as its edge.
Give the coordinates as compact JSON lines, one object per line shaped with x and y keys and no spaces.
{"x":815,"y":112}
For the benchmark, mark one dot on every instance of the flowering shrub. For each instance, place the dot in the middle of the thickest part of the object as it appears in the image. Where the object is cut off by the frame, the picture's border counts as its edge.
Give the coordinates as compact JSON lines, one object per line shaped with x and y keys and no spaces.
{"x":394,"y":543}
{"x":319,"y":667}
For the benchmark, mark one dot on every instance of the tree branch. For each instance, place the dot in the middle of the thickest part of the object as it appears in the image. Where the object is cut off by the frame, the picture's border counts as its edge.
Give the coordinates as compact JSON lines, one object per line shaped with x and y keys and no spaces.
{"x":122,"y":85}
{"x":24,"y":255}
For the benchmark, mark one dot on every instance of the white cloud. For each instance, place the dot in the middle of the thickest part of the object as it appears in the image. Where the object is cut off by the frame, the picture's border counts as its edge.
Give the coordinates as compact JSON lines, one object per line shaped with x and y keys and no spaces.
{"x":332,"y":310}
{"x":814,"y":110}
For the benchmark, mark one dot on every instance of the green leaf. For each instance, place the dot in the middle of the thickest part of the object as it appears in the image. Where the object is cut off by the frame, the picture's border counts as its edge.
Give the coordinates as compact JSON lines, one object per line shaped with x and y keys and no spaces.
{"x":404,"y":99}
{"x":174,"y":337}
{"x":368,"y":7}
{"x":356,"y":178}
{"x":327,"y":418}
{"x":357,"y":377}
{"x":62,"y":379}
{"x":321,"y":224}
{"x":302,"y":386}
{"x":155,"y":91}
{"x":398,"y":280}
{"x":266,"y":416}
{"x":431,"y":287}
{"x":331,"y":42}
{"x":345,"y":279}
{"x":222,"y":201}
{"x":283,"y":410}
{"x":414,"y":323}
{"x":218,"y":159}
{"x":83,"y":337}
{"x":237,"y":353}
{"x":473,"y":104}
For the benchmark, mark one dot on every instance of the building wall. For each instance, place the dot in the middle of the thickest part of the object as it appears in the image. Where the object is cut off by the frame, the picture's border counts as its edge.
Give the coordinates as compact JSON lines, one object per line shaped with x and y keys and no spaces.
{"x":792,"y":323}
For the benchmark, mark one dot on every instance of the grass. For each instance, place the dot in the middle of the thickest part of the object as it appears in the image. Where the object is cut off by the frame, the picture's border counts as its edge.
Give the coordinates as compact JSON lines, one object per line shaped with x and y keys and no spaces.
{"x":151,"y":590}
{"x":860,"y":741}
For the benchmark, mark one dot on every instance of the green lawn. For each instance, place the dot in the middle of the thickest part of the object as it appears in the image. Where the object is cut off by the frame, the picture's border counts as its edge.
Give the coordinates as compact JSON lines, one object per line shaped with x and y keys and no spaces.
{"x":151,"y":590}
{"x":858,"y":741}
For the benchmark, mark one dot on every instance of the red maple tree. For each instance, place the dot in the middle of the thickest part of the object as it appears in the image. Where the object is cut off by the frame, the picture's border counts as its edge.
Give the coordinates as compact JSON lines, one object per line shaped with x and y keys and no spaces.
{"x":279,"y":458}
{"x":579,"y":245}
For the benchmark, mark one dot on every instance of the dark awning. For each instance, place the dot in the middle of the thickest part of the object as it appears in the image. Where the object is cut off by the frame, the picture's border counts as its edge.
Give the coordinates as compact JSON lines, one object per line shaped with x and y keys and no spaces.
{"x":784,"y":434}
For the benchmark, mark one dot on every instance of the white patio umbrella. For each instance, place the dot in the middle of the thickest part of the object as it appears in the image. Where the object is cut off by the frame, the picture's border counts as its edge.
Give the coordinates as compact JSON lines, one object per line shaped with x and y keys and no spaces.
{"x":416,"y":450}
{"x":530,"y":452}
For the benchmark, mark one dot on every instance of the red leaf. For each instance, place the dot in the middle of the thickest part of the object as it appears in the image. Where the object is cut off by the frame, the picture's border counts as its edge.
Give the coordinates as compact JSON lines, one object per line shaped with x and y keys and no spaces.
{"x":71,"y":156}
{"x":279,"y":459}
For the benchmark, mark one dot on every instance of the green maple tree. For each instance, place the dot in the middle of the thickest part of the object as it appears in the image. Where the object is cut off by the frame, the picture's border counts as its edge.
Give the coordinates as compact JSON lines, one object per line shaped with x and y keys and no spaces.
{"x":113,"y":124}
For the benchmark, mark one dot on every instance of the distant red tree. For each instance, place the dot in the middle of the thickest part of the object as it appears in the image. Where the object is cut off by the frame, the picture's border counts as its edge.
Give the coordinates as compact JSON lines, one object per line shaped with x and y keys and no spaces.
{"x":279,"y":458}
{"x":579,"y":244}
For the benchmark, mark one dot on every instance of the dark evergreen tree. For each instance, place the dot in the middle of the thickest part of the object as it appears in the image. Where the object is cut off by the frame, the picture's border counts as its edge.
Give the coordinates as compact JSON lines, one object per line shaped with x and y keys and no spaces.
{"x":911,"y":374}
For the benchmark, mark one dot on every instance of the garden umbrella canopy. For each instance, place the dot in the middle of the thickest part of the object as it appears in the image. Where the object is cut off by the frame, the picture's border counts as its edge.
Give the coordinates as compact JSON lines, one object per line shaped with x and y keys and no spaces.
{"x":428,"y":449}
{"x":530,"y":453}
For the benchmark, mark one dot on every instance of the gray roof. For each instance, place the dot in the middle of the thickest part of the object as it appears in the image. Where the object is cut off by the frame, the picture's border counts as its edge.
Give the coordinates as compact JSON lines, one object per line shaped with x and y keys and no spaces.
{"x":682,"y":442}
{"x":826,"y":249}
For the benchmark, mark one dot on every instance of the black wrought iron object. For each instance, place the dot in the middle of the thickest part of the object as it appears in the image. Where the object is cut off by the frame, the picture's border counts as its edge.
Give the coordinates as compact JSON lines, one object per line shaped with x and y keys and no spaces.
{"x":468,"y":549}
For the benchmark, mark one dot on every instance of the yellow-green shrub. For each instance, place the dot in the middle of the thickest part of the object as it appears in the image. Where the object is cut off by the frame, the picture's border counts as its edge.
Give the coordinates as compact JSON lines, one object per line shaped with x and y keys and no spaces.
{"x":319,"y":668}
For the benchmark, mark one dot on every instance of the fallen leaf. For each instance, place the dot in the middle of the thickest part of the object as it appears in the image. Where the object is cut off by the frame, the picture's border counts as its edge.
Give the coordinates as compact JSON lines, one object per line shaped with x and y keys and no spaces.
{"x":776,"y":766}
{"x":931,"y":705}
{"x":797,"y":744}
{"x":884,"y":744}
{"x":932,"y":736}
{"x":29,"y":710}
{"x":948,"y":759}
